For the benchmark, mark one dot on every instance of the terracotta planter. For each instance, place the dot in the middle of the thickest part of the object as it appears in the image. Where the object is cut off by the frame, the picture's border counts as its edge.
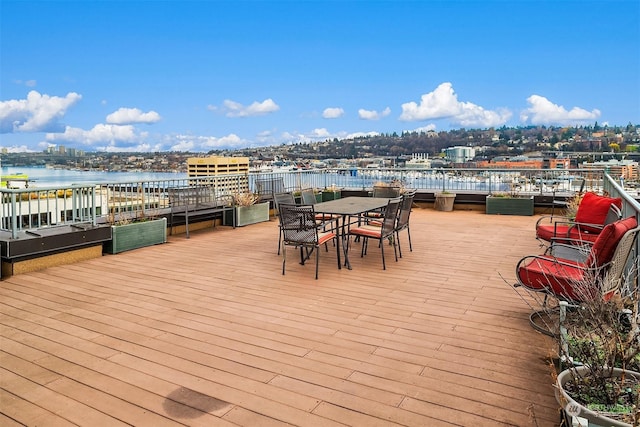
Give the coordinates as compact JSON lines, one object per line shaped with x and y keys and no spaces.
{"x":575,"y":409}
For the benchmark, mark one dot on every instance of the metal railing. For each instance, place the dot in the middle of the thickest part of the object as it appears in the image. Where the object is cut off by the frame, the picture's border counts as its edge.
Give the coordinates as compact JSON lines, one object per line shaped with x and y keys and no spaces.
{"x":39,"y":207}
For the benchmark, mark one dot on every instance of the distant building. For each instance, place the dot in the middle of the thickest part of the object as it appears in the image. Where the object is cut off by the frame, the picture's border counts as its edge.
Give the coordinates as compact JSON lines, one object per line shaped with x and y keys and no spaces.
{"x":216,"y":165}
{"x":524,"y":162}
{"x":459,"y":154}
{"x":200,"y":167}
{"x":418,"y":161}
{"x":625,"y":169}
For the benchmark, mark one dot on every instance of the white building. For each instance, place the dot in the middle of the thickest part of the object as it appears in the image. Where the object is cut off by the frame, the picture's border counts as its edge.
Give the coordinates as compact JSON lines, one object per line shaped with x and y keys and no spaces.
{"x":459,"y":154}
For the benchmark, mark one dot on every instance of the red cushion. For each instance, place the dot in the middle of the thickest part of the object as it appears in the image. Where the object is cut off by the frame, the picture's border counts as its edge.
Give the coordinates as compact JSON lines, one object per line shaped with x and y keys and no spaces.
{"x":605,"y":245}
{"x":593,"y":209}
{"x":558,"y":232}
{"x":545,"y":274}
{"x":367,"y":231}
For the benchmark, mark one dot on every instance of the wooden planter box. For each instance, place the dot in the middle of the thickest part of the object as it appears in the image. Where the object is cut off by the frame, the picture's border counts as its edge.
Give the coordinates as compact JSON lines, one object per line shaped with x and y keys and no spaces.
{"x":136,"y":235}
{"x":330,"y":195}
{"x":509,"y":205}
{"x":253,"y":214}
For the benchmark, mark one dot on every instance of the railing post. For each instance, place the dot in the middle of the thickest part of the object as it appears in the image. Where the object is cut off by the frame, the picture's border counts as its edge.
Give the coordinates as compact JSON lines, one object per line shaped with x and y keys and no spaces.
{"x":14,"y":216}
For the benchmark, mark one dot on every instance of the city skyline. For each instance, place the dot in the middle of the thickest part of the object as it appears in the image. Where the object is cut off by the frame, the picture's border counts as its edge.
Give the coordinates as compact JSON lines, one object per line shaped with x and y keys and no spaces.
{"x":196,"y":76}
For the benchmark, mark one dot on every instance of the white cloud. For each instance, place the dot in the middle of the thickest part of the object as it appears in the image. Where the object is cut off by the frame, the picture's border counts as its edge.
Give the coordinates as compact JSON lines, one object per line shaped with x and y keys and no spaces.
{"x":361,"y":134}
{"x":18,"y":149}
{"x":443,"y":103}
{"x":332,"y":113}
{"x":136,"y":148}
{"x":372,"y":114}
{"x":319,"y":133}
{"x":27,"y":83}
{"x":543,"y":111}
{"x":127,"y":116}
{"x":235,"y":109}
{"x":37,"y":113}
{"x":426,"y":128}
{"x":99,"y":134}
{"x":205,"y":143}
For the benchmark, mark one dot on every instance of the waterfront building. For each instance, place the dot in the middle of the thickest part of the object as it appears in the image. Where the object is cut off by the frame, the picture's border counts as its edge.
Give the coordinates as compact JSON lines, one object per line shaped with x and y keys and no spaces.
{"x":459,"y":154}
{"x":236,"y":167}
{"x":216,"y":165}
{"x":625,"y":169}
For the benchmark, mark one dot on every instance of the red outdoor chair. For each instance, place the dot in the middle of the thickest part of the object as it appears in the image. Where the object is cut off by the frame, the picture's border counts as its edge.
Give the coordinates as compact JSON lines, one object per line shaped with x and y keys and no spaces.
{"x":594,"y":213}
{"x":576,"y":279}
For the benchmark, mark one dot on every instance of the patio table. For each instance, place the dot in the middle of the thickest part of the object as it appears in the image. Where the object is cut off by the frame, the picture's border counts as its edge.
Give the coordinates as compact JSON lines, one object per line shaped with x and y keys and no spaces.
{"x":346,"y":207}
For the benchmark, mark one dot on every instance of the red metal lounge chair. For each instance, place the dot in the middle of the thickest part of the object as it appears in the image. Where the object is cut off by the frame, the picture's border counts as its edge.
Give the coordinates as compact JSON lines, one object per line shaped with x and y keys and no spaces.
{"x":575,"y":279}
{"x":594,"y":212}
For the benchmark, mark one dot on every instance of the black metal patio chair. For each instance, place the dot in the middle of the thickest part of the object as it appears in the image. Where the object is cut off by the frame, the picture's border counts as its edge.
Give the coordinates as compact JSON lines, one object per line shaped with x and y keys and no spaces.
{"x":300,"y":230}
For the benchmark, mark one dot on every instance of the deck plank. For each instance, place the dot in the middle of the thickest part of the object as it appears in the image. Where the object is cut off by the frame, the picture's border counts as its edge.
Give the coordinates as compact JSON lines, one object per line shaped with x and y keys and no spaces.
{"x":207,"y":331}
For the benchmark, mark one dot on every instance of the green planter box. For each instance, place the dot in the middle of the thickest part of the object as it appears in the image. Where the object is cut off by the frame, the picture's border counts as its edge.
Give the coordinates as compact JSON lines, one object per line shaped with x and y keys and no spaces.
{"x":330,"y":195}
{"x":509,"y":205}
{"x":246,"y":215}
{"x":298,"y":199}
{"x":136,"y":235}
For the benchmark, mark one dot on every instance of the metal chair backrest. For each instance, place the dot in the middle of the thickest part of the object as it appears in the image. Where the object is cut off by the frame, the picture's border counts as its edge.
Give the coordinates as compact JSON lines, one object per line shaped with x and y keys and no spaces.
{"x":618,"y":265}
{"x":390,"y":217}
{"x":308,"y":196}
{"x":385,"y":191}
{"x":269,"y":187}
{"x":298,"y":225}
{"x":283,"y":199}
{"x":405,"y":209}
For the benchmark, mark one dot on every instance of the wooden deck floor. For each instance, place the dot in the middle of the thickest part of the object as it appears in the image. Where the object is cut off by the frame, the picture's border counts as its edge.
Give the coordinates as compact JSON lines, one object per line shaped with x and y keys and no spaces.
{"x":207,"y":331}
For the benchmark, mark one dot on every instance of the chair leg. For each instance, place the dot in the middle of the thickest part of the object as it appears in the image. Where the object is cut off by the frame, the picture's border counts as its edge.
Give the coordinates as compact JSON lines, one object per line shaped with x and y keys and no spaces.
{"x":395,"y":251}
{"x":384,"y":267}
{"x":365,"y":242}
{"x":409,"y":237}
{"x":317,"y":261}
{"x":398,"y":241}
{"x":284,"y":258}
{"x":279,"y":241}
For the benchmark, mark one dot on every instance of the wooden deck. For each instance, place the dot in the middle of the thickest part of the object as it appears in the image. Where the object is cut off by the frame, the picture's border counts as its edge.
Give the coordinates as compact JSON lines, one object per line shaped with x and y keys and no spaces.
{"x":207,"y":331}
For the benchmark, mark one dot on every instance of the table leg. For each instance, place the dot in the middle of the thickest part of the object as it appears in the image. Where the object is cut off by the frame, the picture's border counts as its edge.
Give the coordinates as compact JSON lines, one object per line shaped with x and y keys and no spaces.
{"x":345,"y":242}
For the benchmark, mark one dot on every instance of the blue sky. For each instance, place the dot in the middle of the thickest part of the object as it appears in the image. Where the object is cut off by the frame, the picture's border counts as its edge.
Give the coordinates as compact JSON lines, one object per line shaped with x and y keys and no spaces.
{"x":201,"y":75}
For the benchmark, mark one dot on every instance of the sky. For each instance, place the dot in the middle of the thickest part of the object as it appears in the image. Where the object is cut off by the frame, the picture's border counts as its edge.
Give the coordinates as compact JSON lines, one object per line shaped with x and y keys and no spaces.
{"x":131,"y":76}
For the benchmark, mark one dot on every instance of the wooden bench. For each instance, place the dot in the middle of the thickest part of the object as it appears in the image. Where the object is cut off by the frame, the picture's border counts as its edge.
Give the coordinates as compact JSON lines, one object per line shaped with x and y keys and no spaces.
{"x":198,"y":201}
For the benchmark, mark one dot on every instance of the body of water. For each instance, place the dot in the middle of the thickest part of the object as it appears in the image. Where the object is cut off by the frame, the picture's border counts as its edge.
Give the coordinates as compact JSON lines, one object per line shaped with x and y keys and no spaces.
{"x":45,"y":177}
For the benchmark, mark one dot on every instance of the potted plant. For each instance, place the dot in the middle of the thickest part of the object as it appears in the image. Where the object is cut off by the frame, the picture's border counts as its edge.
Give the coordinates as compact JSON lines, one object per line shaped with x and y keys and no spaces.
{"x":444,"y":201}
{"x":509,"y":203}
{"x":248,"y":209}
{"x":598,"y":341}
